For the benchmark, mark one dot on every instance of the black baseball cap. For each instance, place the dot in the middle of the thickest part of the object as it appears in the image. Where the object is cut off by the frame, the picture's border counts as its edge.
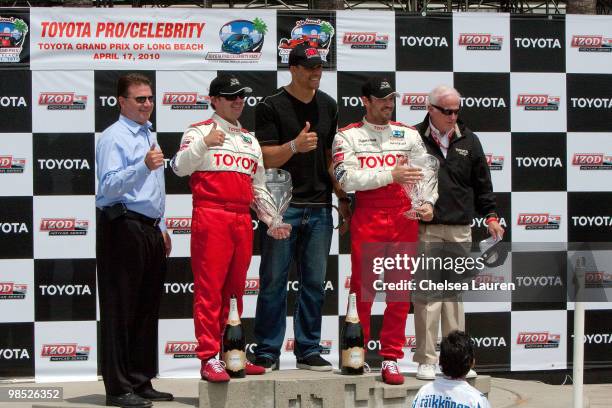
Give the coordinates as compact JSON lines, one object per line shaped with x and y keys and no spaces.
{"x":378,"y":87}
{"x":227,"y":85}
{"x":305,"y":56}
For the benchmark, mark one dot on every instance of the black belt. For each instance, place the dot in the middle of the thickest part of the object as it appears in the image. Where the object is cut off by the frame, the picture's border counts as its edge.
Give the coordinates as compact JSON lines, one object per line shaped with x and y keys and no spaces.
{"x":153,"y":222}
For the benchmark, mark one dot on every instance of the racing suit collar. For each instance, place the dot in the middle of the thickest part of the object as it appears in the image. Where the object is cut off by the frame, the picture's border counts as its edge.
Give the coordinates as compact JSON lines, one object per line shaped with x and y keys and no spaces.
{"x":226,"y":126}
{"x":376,"y":128}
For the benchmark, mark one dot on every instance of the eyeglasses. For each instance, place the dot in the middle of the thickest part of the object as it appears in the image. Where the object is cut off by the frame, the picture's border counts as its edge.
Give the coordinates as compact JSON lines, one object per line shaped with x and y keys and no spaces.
{"x":142,"y":99}
{"x":234,"y":97}
{"x":445,"y":111}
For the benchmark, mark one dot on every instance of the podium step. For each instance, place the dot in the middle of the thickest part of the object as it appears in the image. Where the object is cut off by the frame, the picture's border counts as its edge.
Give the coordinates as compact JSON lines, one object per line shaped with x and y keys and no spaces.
{"x":309,"y":389}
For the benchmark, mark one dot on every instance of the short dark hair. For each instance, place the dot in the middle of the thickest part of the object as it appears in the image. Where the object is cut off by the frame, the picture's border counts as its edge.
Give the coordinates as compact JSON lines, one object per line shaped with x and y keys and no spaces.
{"x":456,"y":354}
{"x":127,"y":80}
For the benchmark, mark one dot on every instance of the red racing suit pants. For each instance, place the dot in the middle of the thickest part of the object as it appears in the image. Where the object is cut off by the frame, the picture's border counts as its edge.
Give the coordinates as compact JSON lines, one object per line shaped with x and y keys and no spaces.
{"x":380,"y":229}
{"x":221,"y":251}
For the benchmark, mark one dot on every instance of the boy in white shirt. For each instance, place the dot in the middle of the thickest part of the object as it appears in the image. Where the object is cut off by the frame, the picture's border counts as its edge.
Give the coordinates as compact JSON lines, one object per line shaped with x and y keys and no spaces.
{"x":452,"y":390}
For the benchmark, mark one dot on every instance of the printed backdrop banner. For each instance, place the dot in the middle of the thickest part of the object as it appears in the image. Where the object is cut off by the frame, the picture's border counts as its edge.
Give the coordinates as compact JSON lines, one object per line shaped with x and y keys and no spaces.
{"x":175,"y":39}
{"x":535,"y":90}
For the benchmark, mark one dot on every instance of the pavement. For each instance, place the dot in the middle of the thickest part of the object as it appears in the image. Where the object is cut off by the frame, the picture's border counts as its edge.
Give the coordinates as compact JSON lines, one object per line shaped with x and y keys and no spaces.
{"x":504,"y":393}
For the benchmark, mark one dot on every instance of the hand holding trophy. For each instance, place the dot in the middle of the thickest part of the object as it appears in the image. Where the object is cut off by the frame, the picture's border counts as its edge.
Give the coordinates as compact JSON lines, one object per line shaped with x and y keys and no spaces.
{"x":420,"y":191}
{"x":272,"y":201}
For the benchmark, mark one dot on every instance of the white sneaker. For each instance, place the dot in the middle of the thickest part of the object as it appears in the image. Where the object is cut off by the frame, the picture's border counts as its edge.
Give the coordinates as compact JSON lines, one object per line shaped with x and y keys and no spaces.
{"x":426,"y":372}
{"x":471,"y":374}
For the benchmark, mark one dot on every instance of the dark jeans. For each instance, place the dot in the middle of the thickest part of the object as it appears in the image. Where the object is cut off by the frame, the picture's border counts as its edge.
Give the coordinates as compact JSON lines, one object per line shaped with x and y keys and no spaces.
{"x":309,"y":245}
{"x":131,"y":264}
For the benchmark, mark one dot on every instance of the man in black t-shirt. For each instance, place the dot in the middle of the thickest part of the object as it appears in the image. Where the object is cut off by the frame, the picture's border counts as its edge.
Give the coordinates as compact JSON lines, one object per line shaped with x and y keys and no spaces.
{"x":295,"y":127}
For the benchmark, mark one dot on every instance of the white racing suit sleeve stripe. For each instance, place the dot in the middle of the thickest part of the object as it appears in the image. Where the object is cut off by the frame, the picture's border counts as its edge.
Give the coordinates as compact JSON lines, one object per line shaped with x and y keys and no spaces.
{"x":191,"y":152}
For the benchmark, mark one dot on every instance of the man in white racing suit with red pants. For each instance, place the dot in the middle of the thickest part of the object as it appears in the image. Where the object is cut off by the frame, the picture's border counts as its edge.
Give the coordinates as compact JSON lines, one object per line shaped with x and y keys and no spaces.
{"x":369,"y":159}
{"x":225,"y":164}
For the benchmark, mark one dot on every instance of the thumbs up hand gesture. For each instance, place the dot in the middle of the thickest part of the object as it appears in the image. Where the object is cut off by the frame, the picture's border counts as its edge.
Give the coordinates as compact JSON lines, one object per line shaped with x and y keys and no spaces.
{"x":154,"y":157}
{"x":306,"y":140}
{"x":215,"y":137}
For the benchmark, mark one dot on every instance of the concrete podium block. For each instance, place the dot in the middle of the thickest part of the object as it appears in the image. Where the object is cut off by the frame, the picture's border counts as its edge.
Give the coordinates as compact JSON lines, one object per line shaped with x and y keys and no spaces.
{"x":309,"y":389}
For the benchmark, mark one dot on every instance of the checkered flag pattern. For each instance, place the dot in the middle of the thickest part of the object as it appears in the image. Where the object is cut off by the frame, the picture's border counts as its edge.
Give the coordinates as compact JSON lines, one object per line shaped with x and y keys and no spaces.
{"x":535,"y":90}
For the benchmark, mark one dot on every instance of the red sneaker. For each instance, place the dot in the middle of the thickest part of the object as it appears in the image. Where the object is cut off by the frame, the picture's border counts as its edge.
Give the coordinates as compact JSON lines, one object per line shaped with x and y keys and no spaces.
{"x":391,"y":374}
{"x":213,"y":370}
{"x":252,"y":369}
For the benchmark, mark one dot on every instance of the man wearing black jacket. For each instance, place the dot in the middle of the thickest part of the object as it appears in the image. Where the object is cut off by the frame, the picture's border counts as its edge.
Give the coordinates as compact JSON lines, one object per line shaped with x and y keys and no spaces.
{"x":464,"y":187}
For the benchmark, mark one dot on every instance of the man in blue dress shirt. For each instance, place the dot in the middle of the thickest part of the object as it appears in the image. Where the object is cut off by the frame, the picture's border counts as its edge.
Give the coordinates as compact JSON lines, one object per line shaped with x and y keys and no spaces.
{"x":132,"y":246}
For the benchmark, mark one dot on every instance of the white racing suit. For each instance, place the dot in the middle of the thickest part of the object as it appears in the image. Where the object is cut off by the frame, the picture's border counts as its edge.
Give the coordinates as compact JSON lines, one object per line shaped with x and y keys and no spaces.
{"x":222,"y":184}
{"x":364,"y":155}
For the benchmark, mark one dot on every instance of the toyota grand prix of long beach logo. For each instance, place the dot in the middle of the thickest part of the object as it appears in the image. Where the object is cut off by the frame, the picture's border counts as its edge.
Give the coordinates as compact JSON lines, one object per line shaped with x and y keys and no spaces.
{"x":10,"y":164}
{"x":495,"y":162}
{"x":13,"y":32}
{"x":62,"y":101}
{"x":481,"y":41}
{"x":538,"y":340}
{"x":592,"y":161}
{"x":592,"y":43}
{"x":366,"y":40}
{"x":313,"y":32}
{"x":64,"y":226}
{"x":65,"y":352}
{"x":539,"y":221}
{"x":538,"y":102}
{"x":241,"y":41}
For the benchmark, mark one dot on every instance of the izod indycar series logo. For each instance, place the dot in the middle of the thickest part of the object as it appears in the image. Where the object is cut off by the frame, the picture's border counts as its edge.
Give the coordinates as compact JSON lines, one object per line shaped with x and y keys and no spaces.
{"x":186,"y":100}
{"x":181,"y":349}
{"x":481,"y":42}
{"x":251,"y":286}
{"x":326,"y":345}
{"x":11,"y":290}
{"x":495,"y":162}
{"x":592,"y":161}
{"x":594,"y":279}
{"x":366,"y":40}
{"x":535,"y":102}
{"x":538,"y":340}
{"x":179,"y":225}
{"x":13,"y":32}
{"x":10,"y":164}
{"x":592,"y":43}
{"x":313,"y":32}
{"x":241,"y":41}
{"x":64,"y":226}
{"x":415,"y":101}
{"x":410,"y":342}
{"x":62,"y":101}
{"x":539,"y":221}
{"x":65,"y":352}
{"x":488,"y":278}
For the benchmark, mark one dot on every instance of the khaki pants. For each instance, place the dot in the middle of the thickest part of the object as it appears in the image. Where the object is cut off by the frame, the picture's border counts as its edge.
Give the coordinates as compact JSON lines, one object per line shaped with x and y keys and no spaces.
{"x":428,"y":315}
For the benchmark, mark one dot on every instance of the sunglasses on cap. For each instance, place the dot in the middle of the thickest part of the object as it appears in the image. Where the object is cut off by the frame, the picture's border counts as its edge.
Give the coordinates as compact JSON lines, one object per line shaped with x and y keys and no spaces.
{"x":233,"y":97}
{"x":142,"y":99}
{"x":445,"y":111}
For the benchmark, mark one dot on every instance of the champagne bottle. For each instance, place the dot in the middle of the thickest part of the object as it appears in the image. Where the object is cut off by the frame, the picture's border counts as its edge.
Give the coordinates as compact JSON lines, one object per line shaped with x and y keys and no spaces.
{"x":234,"y":343}
{"x":351,"y":343}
